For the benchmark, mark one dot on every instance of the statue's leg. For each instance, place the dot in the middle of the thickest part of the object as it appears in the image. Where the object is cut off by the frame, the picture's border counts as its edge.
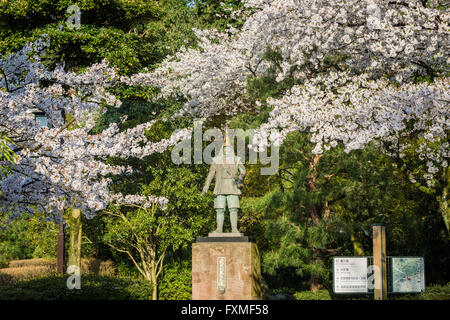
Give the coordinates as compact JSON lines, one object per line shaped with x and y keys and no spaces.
{"x":233,"y":207}
{"x":219,"y":206}
{"x":234,"y":220}
{"x":220,"y":216}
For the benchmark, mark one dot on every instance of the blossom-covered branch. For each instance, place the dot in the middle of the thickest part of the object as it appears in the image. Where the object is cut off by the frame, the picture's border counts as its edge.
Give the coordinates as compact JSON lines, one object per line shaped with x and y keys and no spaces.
{"x":63,"y":164}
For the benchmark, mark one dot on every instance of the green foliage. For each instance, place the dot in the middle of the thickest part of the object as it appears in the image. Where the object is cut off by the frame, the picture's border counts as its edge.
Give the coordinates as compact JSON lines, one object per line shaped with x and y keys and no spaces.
{"x":433,"y":292}
{"x":6,"y":155}
{"x":93,"y":287}
{"x":29,"y":236}
{"x":347,"y":192}
{"x":34,"y":236}
{"x":92,"y":242}
{"x":307,"y":213}
{"x":129,"y":34}
{"x":125,"y":268}
{"x":358,"y":189}
{"x":312,"y":295}
{"x":188,"y":214}
{"x":141,"y":228}
{"x":214,"y":13}
{"x":176,"y":282}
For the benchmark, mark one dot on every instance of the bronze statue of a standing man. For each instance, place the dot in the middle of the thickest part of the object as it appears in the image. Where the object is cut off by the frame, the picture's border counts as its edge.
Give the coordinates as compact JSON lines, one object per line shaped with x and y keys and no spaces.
{"x":225,"y":167}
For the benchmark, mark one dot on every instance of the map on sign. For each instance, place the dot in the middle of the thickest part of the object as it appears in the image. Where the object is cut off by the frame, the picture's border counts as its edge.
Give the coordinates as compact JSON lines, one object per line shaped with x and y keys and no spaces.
{"x":350,"y":274}
{"x":408,"y":274}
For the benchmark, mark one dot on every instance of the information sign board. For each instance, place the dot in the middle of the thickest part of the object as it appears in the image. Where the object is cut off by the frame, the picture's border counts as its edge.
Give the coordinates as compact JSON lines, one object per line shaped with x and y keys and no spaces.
{"x":350,"y":274}
{"x":408,"y":274}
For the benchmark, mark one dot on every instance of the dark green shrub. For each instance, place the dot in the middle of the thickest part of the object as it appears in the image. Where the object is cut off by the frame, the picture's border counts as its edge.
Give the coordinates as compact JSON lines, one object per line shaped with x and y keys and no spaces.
{"x":432,"y":292}
{"x":93,"y":287}
{"x":125,"y":269}
{"x":4,"y":262}
{"x":437,"y":292}
{"x":310,"y":295}
{"x":176,"y":283}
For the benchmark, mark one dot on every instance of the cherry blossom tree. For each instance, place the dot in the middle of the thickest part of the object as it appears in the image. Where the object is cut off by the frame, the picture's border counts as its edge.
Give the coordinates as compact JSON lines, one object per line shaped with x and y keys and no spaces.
{"x":313,"y":38}
{"x":361,"y":71}
{"x":63,"y":165}
{"x":355,"y":111}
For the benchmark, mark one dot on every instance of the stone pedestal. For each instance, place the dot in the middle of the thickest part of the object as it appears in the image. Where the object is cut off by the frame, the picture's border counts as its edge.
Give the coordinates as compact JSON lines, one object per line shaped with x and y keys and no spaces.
{"x":225,"y":268}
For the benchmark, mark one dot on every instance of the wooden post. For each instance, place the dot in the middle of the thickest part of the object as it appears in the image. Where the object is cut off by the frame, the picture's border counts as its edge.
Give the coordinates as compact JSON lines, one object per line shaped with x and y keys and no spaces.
{"x":60,"y":260}
{"x":379,"y":261}
{"x":75,"y":239}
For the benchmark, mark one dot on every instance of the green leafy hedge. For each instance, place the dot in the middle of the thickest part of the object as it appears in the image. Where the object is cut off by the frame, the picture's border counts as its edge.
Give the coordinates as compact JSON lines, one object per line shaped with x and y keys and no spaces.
{"x":310,"y":295}
{"x":176,"y":283}
{"x":432,"y":292}
{"x":92,"y":288}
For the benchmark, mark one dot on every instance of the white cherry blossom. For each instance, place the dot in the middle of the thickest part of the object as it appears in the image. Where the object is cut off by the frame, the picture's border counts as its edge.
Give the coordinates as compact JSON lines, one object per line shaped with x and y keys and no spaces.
{"x":64,"y":165}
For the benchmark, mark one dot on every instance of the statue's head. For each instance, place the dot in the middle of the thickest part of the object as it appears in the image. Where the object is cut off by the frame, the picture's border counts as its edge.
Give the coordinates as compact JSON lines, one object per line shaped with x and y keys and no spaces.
{"x":228,"y":151}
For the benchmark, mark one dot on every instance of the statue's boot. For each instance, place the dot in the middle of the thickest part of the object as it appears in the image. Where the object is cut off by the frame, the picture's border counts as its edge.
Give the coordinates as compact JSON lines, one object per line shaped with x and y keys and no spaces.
{"x":220,"y":215}
{"x":234,"y":220}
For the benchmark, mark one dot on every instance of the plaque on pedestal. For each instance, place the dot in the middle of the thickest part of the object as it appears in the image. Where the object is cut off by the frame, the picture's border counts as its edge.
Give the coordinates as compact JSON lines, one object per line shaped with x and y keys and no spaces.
{"x":225,"y":268}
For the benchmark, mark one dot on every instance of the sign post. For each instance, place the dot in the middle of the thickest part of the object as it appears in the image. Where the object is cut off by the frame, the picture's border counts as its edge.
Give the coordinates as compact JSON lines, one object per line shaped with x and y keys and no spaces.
{"x":359,"y":275}
{"x":379,"y":261}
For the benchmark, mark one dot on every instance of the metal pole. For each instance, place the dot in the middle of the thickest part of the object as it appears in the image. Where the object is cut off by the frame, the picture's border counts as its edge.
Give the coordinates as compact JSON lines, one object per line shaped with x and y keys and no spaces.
{"x":379,"y":261}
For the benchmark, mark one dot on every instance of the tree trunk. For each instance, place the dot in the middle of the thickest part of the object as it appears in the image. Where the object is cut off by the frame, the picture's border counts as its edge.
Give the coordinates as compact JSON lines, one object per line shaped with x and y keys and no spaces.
{"x":314,"y":210}
{"x":154,"y":280}
{"x":75,"y":238}
{"x":443,"y":200}
{"x":150,"y":269}
{"x":60,"y":255}
{"x":357,"y":247}
{"x":155,"y":289}
{"x":316,"y":282}
{"x":150,"y":276}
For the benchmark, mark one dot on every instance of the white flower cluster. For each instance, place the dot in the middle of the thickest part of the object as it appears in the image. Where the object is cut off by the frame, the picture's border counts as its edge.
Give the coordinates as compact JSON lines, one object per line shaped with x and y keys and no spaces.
{"x":356,"y":111}
{"x":144,"y":201}
{"x":345,"y":54}
{"x":63,"y":165}
{"x":375,"y":37}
